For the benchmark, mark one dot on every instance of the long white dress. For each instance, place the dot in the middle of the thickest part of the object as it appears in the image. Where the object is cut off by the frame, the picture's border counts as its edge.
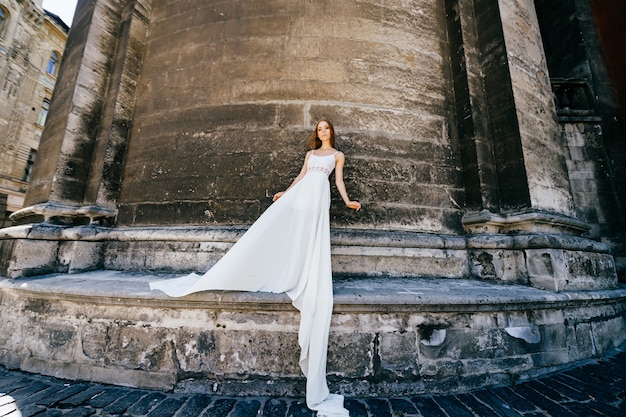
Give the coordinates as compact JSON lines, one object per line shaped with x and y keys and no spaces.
{"x":287,"y":250}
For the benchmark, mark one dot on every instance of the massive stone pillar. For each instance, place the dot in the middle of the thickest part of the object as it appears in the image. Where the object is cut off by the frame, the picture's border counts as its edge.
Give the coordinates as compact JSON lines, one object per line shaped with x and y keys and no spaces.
{"x":84,"y":142}
{"x":225,"y":106}
{"x":78,"y":176}
{"x":512,"y":155}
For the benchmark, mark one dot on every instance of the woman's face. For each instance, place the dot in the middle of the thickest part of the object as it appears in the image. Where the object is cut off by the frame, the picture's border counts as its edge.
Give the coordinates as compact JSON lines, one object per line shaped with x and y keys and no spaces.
{"x":323,"y":131}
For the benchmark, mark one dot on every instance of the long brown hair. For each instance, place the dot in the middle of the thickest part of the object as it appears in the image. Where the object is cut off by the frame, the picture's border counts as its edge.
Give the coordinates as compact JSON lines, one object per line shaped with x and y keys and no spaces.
{"x":314,"y":142}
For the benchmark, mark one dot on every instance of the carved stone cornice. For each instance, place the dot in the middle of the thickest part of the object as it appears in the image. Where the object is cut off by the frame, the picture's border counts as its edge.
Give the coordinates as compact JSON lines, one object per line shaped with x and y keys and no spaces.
{"x":65,"y":214}
{"x":531,"y":221}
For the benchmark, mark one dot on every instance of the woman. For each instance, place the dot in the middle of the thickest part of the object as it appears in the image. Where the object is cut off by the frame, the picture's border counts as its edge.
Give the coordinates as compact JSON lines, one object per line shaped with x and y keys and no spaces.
{"x":288,"y":250}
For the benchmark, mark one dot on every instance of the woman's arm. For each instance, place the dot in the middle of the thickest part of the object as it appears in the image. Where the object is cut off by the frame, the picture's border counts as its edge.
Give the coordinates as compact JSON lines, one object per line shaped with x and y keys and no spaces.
{"x":340,"y":160}
{"x":296,"y":180}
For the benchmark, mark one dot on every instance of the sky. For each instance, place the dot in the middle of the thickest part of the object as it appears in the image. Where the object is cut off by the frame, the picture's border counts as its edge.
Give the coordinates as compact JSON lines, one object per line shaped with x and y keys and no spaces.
{"x":62,"y":8}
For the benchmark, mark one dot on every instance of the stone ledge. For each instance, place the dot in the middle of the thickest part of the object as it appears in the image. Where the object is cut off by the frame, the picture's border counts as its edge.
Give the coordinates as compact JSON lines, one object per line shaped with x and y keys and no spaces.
{"x":367,"y":294}
{"x":555,"y":262}
{"x":339,"y":237}
{"x":531,"y":221}
{"x":389,"y":336}
{"x":59,"y":213}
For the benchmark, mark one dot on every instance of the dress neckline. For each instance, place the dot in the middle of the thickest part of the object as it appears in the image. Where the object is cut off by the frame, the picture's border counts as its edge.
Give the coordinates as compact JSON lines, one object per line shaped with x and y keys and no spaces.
{"x":323,"y":156}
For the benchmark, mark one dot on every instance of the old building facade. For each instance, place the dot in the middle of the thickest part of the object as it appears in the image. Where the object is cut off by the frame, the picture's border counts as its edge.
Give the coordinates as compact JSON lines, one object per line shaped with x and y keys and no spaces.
{"x":437,"y":145}
{"x":483,"y":138}
{"x":31,"y":47}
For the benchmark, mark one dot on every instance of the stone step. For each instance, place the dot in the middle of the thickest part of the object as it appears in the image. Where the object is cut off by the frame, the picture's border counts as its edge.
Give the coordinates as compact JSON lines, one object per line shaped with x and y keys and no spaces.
{"x":389,"y":336}
{"x":545,"y":261}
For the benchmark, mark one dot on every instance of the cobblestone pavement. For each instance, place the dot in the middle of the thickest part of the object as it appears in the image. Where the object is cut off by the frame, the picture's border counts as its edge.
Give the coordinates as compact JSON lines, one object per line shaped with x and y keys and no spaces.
{"x":595,"y":389}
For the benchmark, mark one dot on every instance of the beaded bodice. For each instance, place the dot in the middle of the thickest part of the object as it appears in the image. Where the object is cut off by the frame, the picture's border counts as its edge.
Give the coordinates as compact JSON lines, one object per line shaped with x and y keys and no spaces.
{"x":322,"y":164}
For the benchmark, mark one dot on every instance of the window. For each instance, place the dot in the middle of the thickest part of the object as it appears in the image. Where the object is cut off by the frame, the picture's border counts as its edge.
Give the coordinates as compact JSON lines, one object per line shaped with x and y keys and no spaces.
{"x":43,"y":113}
{"x":4,"y":18}
{"x":53,"y":63}
{"x":28,"y":169}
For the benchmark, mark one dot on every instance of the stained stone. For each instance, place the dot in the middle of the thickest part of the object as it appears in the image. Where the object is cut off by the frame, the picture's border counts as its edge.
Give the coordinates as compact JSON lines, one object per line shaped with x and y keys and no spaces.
{"x":490,"y":240}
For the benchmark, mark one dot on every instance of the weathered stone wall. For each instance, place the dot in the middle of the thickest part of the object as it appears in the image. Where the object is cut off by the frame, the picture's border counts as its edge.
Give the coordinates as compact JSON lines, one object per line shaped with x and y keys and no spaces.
{"x":433,"y":103}
{"x":587,"y":110}
{"x":90,"y":113}
{"x":613,"y":127}
{"x":536,"y":114}
{"x":445,"y":113}
{"x":442,"y":108}
{"x":403,"y":337}
{"x":60,"y":120}
{"x":585,"y":165}
{"x":224,"y":108}
{"x":491,"y":88}
{"x":592,"y":188}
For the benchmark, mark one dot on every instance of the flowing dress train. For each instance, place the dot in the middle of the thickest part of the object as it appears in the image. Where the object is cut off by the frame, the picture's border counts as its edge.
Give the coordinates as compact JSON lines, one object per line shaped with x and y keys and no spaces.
{"x":287,"y":250}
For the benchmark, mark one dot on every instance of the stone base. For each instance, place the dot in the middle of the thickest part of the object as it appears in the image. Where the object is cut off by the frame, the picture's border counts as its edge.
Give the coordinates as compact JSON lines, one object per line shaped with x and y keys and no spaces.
{"x":555,"y":262}
{"x":389,"y":336}
{"x":527,"y":221}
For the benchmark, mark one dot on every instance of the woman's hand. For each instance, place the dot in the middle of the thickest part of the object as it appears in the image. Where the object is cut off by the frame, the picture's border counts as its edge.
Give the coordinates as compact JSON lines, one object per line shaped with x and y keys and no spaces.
{"x":278,"y":195}
{"x":354,"y":205}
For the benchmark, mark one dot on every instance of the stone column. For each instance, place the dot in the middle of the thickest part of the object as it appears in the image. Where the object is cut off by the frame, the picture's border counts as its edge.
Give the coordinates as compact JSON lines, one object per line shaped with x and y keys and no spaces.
{"x":471,"y":107}
{"x":83,"y":147}
{"x":543,"y":153}
{"x":85,"y":136}
{"x":513,"y":160}
{"x":514,"y":135}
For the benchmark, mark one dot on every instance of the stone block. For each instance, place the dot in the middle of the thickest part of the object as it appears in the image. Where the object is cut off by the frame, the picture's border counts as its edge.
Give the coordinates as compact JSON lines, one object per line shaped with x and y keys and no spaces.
{"x":255,"y":353}
{"x":553,"y":316}
{"x":398,"y":261}
{"x":55,"y":341}
{"x":32,"y":257}
{"x":564,"y":270}
{"x":132,"y":346}
{"x":164,"y":256}
{"x":512,"y":319}
{"x":546,"y":269}
{"x":590,"y":270}
{"x":481,"y":321}
{"x":547,"y":359}
{"x":93,"y":343}
{"x":580,"y":343}
{"x":80,"y":256}
{"x":553,"y":336}
{"x":500,"y":265}
{"x":440,"y":369}
{"x":508,"y":365}
{"x":351,"y":355}
{"x":606,"y":334}
{"x":399,"y":354}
